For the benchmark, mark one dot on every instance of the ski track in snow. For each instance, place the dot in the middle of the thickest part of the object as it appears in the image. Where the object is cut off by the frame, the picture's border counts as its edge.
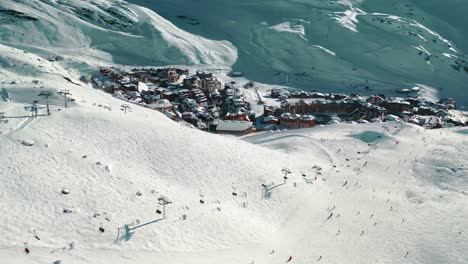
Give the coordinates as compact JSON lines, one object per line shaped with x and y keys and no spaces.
{"x":21,"y":126}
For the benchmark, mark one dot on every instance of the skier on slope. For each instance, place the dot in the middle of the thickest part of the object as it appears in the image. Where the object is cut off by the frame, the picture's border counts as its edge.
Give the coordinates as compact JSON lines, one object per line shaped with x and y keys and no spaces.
{"x":26,"y":249}
{"x":35,"y":235}
{"x":289,"y":259}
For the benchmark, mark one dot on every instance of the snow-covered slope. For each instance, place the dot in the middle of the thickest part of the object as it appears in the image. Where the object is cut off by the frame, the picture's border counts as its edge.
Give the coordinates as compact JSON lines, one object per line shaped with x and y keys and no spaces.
{"x":375,"y":193}
{"x":104,"y":31}
{"x":340,"y":45}
{"x":383,"y":45}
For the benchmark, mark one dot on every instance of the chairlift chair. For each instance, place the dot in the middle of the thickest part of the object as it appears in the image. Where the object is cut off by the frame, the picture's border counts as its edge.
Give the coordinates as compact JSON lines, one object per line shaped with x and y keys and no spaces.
{"x":163,"y":200}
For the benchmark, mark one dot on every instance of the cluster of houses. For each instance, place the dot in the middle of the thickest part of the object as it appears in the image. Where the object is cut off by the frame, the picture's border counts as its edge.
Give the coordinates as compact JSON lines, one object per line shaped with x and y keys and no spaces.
{"x":297,"y":108}
{"x":202,"y":101}
{"x":199,"y":99}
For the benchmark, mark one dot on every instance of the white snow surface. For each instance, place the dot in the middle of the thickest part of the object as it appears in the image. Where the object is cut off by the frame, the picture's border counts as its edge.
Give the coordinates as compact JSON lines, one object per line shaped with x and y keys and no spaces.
{"x":373,"y":41}
{"x":294,"y":27}
{"x":403,"y":188}
{"x":107,"y":31}
{"x":400,"y":186}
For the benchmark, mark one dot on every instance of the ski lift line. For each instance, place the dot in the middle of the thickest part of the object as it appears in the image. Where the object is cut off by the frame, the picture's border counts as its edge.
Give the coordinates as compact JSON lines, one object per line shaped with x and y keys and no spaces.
{"x":202,"y":212}
{"x":145,"y":224}
{"x":193,"y":217}
{"x":46,"y":94}
{"x":217,"y":202}
{"x":65,"y":93}
{"x":274,"y":187}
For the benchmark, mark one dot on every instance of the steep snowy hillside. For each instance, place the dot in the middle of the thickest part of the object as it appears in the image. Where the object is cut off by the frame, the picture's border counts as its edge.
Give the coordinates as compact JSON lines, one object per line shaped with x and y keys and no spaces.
{"x":104,"y":31}
{"x":86,"y":184}
{"x":340,"y":45}
{"x":337,"y":45}
{"x":375,"y":193}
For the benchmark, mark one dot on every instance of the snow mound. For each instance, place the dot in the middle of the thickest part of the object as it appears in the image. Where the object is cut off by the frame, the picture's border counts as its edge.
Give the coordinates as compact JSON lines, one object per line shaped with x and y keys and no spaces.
{"x":369,"y":136}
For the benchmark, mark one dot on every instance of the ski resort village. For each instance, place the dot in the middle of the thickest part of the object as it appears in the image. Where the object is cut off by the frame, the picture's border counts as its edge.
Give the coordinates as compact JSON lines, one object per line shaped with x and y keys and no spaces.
{"x":233,"y":132}
{"x":202,"y":101}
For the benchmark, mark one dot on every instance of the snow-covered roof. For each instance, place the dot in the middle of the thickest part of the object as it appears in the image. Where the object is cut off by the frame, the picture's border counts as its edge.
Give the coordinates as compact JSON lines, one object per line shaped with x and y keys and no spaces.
{"x":189,"y":115}
{"x":162,"y":103}
{"x":308,"y":117}
{"x":201,"y":125}
{"x":190,"y":102}
{"x":392,"y":118}
{"x":142,"y":86}
{"x":270,"y":118}
{"x":228,"y":125}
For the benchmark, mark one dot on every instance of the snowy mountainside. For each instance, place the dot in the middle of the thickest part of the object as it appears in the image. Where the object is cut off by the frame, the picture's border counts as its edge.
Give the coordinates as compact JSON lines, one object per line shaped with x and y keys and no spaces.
{"x":389,"y":45}
{"x":350,"y":187}
{"x":105,"y":31}
{"x":373,"y":193}
{"x":97,"y":146}
{"x":340,"y":45}
{"x":104,"y":158}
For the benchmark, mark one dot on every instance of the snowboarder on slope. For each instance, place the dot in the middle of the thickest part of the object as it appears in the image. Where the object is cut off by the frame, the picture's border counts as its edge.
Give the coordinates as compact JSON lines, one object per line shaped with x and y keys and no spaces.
{"x":289,"y":259}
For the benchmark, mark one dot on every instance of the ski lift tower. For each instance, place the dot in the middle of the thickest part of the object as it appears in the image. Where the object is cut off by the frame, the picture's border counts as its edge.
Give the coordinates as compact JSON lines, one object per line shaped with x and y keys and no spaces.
{"x":46,"y":94}
{"x":286,"y":172}
{"x":34,"y":108}
{"x":2,"y":118}
{"x":65,"y":93}
{"x":164,"y":201}
{"x":125,"y":107}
